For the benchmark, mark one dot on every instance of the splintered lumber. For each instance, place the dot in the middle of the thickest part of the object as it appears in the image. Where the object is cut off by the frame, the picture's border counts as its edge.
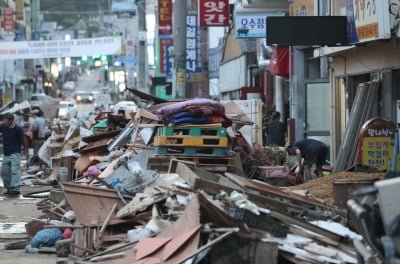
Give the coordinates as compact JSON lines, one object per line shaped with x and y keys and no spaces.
{"x":108,"y":219}
{"x":83,"y":248}
{"x":108,"y":257}
{"x":269,"y":190}
{"x":212,"y":184}
{"x":321,"y":251}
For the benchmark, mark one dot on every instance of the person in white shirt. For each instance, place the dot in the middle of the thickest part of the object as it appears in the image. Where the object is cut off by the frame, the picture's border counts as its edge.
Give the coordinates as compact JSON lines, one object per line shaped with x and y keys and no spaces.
{"x":38,"y":131}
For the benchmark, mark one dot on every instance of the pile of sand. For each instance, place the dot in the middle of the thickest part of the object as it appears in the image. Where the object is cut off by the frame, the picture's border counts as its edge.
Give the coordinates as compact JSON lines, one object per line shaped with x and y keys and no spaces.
{"x":322,"y":188}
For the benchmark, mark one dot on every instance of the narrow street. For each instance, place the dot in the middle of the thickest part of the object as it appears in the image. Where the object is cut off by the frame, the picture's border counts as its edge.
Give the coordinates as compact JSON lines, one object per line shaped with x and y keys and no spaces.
{"x":14,"y":214}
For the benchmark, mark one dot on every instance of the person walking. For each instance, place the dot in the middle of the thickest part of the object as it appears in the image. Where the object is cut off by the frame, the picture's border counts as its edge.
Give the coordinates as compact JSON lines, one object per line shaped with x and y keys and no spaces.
{"x":312,"y":151}
{"x":276,"y":131}
{"x":38,"y":135}
{"x":13,"y":139}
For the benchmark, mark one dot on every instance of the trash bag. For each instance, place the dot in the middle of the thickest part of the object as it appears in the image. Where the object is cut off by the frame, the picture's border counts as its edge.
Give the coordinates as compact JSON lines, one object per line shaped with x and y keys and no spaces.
{"x":46,"y":238}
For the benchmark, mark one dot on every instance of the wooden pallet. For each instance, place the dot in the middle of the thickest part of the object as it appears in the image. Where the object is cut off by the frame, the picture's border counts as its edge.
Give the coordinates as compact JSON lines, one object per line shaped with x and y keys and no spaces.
{"x":190,"y":151}
{"x":192,"y":131}
{"x":169,"y":163}
{"x":188,"y":141}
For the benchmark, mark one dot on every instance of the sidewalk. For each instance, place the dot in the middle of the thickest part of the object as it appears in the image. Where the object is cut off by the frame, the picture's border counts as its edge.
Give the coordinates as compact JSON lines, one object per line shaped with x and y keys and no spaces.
{"x":14,"y":213}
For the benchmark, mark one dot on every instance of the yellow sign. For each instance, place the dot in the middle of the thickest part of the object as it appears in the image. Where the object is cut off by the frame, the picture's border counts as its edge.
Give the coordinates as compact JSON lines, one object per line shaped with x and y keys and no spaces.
{"x":19,"y":9}
{"x":376,"y":144}
{"x":302,"y":8}
{"x":368,"y":31}
{"x":180,"y":76}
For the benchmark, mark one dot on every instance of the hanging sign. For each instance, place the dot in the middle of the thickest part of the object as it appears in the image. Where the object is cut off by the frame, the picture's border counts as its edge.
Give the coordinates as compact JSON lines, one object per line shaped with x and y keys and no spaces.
{"x":214,"y":13}
{"x":164,"y":17}
{"x":8,"y":19}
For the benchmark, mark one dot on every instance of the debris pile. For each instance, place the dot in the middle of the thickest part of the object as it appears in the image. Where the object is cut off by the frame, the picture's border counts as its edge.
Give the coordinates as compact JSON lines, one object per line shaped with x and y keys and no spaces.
{"x":170,"y":183}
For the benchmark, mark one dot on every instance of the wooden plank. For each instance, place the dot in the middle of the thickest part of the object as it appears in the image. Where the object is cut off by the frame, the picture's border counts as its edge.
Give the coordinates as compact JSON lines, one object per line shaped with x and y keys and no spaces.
{"x":83,"y":249}
{"x":279,"y":210}
{"x":267,"y":189}
{"x":214,"y":188}
{"x":104,"y":226}
{"x":108,"y":257}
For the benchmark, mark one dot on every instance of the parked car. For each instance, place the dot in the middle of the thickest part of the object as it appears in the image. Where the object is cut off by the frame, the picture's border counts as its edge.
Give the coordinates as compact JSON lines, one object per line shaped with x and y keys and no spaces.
{"x":84,"y":97}
{"x":125,"y":105}
{"x":37,"y":99}
{"x":70,"y":86}
{"x":67,"y":110}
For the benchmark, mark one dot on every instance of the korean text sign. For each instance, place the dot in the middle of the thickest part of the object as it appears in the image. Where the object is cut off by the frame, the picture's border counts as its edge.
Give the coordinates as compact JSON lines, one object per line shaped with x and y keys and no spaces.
{"x":193,"y":44}
{"x":377,"y":143}
{"x":165,"y":17}
{"x":60,"y":48}
{"x":8,"y":19}
{"x":214,"y":13}
{"x":252,"y":25}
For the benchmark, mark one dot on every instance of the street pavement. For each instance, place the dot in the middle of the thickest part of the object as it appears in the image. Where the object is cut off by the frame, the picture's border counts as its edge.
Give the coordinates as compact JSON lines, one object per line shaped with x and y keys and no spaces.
{"x":86,"y":82}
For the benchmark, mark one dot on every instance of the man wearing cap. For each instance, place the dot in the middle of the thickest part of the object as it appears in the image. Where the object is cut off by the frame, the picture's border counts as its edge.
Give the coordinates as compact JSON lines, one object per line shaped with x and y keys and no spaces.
{"x":13,"y":139}
{"x":312,"y":151}
{"x":38,"y":131}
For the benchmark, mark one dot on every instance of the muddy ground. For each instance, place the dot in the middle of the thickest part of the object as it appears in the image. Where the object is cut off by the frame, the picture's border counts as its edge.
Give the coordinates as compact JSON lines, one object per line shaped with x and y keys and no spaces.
{"x":14,"y":213}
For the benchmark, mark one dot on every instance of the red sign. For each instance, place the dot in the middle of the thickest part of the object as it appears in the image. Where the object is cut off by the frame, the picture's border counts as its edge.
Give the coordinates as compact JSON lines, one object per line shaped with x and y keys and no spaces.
{"x":8,"y":19}
{"x":164,"y":17}
{"x":164,"y":45}
{"x":214,"y":13}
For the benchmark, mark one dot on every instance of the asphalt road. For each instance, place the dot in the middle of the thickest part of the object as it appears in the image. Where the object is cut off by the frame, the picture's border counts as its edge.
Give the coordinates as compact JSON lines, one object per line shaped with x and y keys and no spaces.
{"x":86,"y":82}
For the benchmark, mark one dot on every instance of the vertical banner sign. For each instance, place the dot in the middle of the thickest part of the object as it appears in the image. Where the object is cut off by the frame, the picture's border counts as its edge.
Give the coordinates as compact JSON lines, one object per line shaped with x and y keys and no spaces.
{"x":214,"y":13}
{"x":164,"y":17}
{"x":130,"y":66}
{"x":19,"y":9}
{"x":165,"y":44}
{"x":376,"y":144}
{"x":214,"y":60}
{"x":193,"y":48}
{"x":8,"y":19}
{"x":169,"y":63}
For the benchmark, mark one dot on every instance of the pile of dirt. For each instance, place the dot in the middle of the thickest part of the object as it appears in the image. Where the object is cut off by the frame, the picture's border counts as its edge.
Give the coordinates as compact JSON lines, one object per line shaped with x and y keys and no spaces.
{"x":322,"y":188}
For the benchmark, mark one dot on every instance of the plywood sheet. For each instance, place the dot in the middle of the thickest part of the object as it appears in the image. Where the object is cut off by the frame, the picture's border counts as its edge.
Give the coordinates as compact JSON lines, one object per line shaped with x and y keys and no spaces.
{"x":149,"y":245}
{"x":90,"y":204}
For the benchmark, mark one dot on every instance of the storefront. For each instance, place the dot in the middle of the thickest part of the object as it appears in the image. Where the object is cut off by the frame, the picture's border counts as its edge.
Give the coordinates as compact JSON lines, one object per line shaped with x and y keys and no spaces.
{"x":375,"y":61}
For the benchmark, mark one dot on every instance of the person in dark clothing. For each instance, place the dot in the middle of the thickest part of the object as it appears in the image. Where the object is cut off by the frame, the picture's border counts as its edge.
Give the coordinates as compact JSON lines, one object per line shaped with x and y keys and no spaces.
{"x":13,"y":139}
{"x":276,"y":131}
{"x":312,"y":151}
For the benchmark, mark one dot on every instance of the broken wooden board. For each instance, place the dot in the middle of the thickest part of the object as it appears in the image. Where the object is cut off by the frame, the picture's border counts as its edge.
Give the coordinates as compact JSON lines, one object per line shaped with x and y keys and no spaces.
{"x":189,"y":220}
{"x":90,"y":204}
{"x":282,"y":211}
{"x":148,"y":245}
{"x":268,"y":190}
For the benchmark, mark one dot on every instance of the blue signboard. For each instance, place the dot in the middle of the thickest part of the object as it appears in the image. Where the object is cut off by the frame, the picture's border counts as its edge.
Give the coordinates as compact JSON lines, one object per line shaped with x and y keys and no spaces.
{"x":351,"y":24}
{"x":214,"y":60}
{"x":169,"y":63}
{"x":193,"y":44}
{"x":252,"y":25}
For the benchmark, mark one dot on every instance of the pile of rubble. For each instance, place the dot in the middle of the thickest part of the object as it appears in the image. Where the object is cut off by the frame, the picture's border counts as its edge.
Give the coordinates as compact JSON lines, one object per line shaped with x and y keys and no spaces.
{"x":165,"y":185}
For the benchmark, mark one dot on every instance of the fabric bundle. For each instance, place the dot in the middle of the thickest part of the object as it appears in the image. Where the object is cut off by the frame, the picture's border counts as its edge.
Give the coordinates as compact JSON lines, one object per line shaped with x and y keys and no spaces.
{"x":196,"y":111}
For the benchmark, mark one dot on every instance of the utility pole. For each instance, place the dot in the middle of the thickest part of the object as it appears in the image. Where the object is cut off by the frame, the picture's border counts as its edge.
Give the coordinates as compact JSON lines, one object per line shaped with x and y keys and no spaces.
{"x":179,"y":80}
{"x":142,"y":47}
